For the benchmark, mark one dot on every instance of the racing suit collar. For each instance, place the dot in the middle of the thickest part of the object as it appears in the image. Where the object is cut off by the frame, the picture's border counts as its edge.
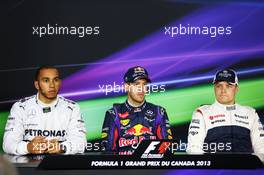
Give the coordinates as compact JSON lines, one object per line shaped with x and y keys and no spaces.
{"x":225,"y":107}
{"x":46,"y":106}
{"x":135,"y":109}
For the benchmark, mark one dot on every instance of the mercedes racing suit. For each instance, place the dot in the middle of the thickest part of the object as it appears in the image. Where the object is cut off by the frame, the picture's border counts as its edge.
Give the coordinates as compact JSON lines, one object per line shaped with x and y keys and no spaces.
{"x":30,"y":117}
{"x":126,"y":126}
{"x":225,"y":128}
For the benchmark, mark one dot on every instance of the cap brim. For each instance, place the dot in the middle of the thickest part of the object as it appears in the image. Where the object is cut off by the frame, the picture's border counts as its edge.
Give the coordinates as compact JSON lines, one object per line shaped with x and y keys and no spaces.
{"x":233,"y":83}
{"x":142,"y":77}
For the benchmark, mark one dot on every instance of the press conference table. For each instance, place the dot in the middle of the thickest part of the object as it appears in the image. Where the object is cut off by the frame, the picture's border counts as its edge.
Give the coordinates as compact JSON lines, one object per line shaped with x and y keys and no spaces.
{"x":180,"y":164}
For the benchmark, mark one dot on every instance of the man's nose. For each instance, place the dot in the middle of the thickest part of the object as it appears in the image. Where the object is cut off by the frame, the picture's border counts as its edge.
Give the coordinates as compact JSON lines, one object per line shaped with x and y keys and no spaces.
{"x":223,"y":90}
{"x":52,"y":84}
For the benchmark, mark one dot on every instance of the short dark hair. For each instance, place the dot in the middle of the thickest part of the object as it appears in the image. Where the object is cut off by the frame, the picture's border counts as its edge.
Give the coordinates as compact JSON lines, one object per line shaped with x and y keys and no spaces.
{"x":41,"y":68}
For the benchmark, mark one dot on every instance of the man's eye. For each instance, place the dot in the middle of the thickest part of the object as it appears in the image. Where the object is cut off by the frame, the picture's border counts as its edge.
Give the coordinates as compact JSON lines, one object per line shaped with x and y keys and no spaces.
{"x":46,"y":80}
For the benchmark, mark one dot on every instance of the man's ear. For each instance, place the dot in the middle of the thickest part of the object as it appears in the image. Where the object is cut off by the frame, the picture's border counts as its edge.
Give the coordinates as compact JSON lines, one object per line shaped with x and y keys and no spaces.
{"x":36,"y":85}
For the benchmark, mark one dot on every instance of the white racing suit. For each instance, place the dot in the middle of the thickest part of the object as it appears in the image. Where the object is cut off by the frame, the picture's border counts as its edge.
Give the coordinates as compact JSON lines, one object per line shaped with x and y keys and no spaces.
{"x":30,"y":117}
{"x":225,"y":128}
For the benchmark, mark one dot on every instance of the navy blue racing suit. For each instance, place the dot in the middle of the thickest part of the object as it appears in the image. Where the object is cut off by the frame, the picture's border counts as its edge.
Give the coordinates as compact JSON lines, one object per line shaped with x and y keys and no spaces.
{"x":126,"y":126}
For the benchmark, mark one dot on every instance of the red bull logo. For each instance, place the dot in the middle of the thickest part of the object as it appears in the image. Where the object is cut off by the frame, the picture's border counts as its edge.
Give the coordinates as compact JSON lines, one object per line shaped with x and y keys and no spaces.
{"x":130,"y":131}
{"x":128,"y":142}
{"x":138,"y":130}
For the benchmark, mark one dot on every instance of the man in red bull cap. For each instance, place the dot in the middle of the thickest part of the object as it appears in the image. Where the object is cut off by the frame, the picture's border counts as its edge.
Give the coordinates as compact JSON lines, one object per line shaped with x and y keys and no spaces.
{"x":225,"y":126}
{"x":127,"y":124}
